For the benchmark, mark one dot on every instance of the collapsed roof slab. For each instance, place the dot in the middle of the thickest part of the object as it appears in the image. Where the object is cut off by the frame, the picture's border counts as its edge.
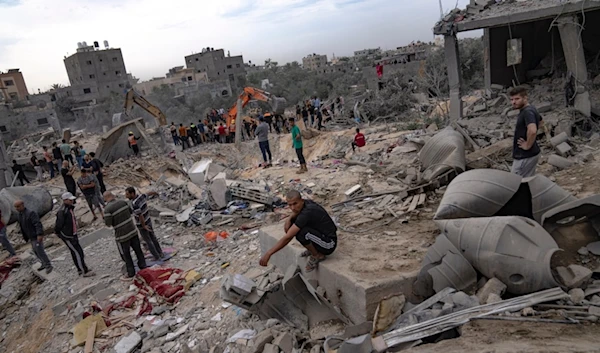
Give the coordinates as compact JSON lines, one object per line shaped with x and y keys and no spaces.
{"x":523,"y":11}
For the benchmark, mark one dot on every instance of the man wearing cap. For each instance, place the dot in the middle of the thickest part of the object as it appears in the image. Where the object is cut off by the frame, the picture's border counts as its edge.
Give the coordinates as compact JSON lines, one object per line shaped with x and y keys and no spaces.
{"x":66,"y":228}
{"x":87,"y":185}
{"x":132,"y":142}
{"x":262,"y":133}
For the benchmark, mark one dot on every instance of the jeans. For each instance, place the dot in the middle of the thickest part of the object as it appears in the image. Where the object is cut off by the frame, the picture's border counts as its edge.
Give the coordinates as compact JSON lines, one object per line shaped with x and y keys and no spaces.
{"x":176,"y":140}
{"x":79,"y":161}
{"x":265,"y":149}
{"x":300,"y":155}
{"x":125,"y":252}
{"x":40,"y":253}
{"x":6,"y":243}
{"x":51,"y":168}
{"x":59,"y":165}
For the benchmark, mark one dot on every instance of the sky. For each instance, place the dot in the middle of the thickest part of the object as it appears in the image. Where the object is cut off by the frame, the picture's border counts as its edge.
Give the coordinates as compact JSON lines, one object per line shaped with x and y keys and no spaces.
{"x":155,"y":35}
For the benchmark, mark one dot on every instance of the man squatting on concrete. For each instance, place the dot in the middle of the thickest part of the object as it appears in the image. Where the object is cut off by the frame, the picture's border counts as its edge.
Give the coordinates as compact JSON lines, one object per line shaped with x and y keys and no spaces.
{"x":312,"y":226}
{"x":117,"y":214}
{"x":66,"y":228}
{"x":143,"y":222}
{"x":526,"y":152}
{"x":33,"y":232}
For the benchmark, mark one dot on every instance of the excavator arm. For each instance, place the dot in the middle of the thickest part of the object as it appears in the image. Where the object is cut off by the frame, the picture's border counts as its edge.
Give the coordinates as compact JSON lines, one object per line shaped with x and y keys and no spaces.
{"x":251,"y":93}
{"x":133,"y":97}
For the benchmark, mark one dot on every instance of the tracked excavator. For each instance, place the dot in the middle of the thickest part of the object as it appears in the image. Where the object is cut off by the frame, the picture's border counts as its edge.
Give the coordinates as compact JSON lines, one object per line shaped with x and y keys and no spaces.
{"x":249,"y":94}
{"x":132,"y":97}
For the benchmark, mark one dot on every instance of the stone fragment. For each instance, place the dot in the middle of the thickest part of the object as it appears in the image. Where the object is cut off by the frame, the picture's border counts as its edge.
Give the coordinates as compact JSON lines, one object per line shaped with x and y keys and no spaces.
{"x":105,"y":293}
{"x":583,"y":251}
{"x":261,"y":339}
{"x":594,"y":310}
{"x":528,"y":311}
{"x":432,"y":128}
{"x":493,"y":285}
{"x":559,"y":162}
{"x":479,"y":108}
{"x":594,"y":248}
{"x":174,"y":335}
{"x":558,"y":139}
{"x":160,"y":330}
{"x":316,"y":349}
{"x":574,"y":275}
{"x":493,"y":298}
{"x":464,"y":300}
{"x":587,"y":156}
{"x":544,"y":107}
{"x":272,"y":322}
{"x":563,"y":149}
{"x":284,"y":342}
{"x":577,"y":295}
{"x":128,"y":343}
{"x":270,"y":348}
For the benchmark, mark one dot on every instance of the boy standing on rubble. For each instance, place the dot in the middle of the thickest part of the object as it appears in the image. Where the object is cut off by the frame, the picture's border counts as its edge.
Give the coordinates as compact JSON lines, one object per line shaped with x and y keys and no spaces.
{"x":526,"y":151}
{"x":262,"y":132}
{"x":297,"y":144}
{"x":312,"y":226}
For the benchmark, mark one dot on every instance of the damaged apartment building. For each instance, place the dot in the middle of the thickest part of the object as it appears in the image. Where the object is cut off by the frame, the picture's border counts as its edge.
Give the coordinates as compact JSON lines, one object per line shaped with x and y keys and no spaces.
{"x":527,"y":40}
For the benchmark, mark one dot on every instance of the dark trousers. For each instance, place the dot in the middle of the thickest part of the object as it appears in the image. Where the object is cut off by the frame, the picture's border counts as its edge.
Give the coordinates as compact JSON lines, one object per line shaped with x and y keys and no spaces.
{"x":136,"y":149}
{"x":70,"y":159}
{"x":325,"y":244}
{"x":77,"y":254}
{"x":6,"y":243}
{"x":184,"y":142}
{"x":40,"y":253}
{"x":51,"y":169}
{"x":125,"y":251}
{"x":266,"y":150}
{"x":353,"y":146}
{"x":22,"y":178}
{"x":100,"y":177}
{"x":300,"y":155}
{"x":176,"y":140}
{"x":152,"y":243}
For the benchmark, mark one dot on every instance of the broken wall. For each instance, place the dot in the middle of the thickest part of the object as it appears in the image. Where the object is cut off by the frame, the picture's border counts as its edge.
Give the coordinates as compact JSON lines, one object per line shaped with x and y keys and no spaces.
{"x":15,"y":124}
{"x":114,"y":145}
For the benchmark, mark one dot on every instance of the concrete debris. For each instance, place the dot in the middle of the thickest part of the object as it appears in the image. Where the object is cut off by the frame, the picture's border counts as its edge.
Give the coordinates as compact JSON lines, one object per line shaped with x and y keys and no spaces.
{"x":261,"y":340}
{"x":492,"y":286}
{"x":285,"y":342}
{"x":464,"y":301}
{"x":577,"y":295}
{"x":559,"y":162}
{"x":129,"y":343}
{"x":353,"y":192}
{"x":388,"y":312}
{"x":573,"y":276}
{"x":594,"y":248}
{"x":559,"y":139}
{"x":563,"y":149}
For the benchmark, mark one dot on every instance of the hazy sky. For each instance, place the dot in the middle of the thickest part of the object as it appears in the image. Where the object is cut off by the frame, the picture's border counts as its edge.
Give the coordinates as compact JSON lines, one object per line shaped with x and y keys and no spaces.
{"x":155,"y":35}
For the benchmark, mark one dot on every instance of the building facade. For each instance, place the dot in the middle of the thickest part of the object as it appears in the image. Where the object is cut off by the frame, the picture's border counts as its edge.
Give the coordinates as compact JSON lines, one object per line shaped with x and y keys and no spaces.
{"x":216,"y":65}
{"x":102,"y":71}
{"x":314,"y":62}
{"x":12,"y":86}
{"x":367,"y":52}
{"x":176,"y":77}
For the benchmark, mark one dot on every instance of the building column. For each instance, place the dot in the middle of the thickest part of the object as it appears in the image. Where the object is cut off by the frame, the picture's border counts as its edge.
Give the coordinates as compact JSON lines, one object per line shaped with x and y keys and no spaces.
{"x":569,"y":29}
{"x":487,"y":68}
{"x":454,"y":76}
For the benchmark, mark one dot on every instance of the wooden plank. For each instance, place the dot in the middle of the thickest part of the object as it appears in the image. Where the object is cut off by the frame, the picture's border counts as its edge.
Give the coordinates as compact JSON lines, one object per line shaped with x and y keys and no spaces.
{"x":422,"y":199}
{"x":89,"y":341}
{"x":407,"y":201}
{"x":414,"y":204}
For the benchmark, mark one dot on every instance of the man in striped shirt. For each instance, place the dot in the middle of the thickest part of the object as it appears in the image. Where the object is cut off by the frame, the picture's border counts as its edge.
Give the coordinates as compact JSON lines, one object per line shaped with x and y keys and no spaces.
{"x":117,"y":214}
{"x":143,"y":222}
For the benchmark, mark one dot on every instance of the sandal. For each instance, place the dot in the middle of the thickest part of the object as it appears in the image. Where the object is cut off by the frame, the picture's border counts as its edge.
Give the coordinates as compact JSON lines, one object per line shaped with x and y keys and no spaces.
{"x":313,"y":262}
{"x":306,"y":253}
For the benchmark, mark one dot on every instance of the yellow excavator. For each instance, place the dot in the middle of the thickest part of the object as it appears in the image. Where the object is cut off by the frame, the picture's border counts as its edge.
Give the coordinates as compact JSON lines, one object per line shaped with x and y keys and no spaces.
{"x":132,"y":97}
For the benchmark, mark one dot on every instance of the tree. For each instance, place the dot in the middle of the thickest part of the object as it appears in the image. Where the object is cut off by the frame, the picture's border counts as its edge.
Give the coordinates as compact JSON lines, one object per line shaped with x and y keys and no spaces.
{"x":56,"y":86}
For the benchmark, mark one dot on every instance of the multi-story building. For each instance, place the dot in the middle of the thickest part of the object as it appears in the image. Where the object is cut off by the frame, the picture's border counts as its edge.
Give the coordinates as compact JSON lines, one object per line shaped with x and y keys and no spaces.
{"x":97,"y":72}
{"x":314,"y":61}
{"x":12,"y":86}
{"x":216,"y":65}
{"x":367,"y":52}
{"x":176,"y":77}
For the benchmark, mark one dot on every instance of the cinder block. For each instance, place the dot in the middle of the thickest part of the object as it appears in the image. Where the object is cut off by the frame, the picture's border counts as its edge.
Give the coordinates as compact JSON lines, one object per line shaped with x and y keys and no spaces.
{"x":356,"y":296}
{"x":558,"y":139}
{"x":559,"y":162}
{"x":563,"y":149}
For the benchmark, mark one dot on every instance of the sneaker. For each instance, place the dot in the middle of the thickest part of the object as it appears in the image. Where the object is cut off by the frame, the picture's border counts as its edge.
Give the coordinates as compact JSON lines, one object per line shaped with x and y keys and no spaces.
{"x":126,"y":278}
{"x":49,"y":269}
{"x":41,"y":268}
{"x":89,"y":274}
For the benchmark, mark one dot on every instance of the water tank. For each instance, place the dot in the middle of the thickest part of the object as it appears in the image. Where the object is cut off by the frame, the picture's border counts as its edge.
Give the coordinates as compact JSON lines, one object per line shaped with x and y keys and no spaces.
{"x":84,"y":44}
{"x":96,"y":45}
{"x":79,"y":45}
{"x":106,"y":44}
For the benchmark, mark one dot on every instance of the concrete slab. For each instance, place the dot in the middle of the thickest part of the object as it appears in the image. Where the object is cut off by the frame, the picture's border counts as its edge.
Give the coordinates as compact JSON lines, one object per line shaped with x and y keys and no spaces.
{"x":356,"y":293}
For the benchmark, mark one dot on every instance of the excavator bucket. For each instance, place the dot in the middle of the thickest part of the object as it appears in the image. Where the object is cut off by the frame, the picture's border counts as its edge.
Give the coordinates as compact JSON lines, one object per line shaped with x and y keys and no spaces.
{"x":278,"y":104}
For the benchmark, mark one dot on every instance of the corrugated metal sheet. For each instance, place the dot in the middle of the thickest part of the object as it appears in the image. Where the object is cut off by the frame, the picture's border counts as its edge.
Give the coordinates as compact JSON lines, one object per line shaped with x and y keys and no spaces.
{"x":443,"y":152}
{"x":546,"y":195}
{"x":516,"y":250}
{"x":477,"y":193}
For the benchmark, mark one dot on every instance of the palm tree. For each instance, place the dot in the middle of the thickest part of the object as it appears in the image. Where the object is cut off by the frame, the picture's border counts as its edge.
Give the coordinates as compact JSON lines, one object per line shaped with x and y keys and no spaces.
{"x":56,"y":86}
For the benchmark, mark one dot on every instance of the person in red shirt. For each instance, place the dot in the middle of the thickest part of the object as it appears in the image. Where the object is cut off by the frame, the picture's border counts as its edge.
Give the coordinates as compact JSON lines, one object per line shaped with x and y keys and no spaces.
{"x":359,"y":140}
{"x":222,"y":133}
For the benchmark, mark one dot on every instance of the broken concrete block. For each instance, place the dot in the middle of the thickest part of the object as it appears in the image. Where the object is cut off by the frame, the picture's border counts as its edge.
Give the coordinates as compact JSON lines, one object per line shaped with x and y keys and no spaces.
{"x":573,"y":276}
{"x":261,"y":340}
{"x":594,"y":248}
{"x":544,"y":107}
{"x":270,"y":348}
{"x":432,"y":128}
{"x":218,"y":192}
{"x":493,"y":285}
{"x":479,"y":108}
{"x":284,"y":342}
{"x":583,"y":251}
{"x":563,"y":149}
{"x":160,"y":330}
{"x":496,"y":102}
{"x":496,"y":87}
{"x":353,"y":191}
{"x":587,"y":157}
{"x":577,"y":295}
{"x":493,"y":298}
{"x":565,"y":126}
{"x":105,"y":293}
{"x":558,"y":139}
{"x":559,"y":162}
{"x":128,"y":343}
{"x":393,"y":181}
{"x":464,"y":300}
{"x":174,"y":335}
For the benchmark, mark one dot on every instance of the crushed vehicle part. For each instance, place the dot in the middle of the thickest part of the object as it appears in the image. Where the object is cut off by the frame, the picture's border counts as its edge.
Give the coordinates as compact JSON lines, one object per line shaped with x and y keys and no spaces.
{"x":443,"y":152}
{"x":443,"y":266}
{"x":477,"y":193}
{"x":546,"y":195}
{"x":516,"y":250}
{"x":37,"y":199}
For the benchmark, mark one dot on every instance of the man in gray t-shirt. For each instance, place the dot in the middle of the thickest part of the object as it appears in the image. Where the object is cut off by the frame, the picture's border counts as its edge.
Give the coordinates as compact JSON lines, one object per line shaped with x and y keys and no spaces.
{"x":262,"y":133}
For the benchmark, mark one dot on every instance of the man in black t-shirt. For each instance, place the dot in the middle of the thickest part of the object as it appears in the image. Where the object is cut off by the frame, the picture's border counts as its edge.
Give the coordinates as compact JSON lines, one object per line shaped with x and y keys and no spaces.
{"x":526,"y":152}
{"x":312,"y":226}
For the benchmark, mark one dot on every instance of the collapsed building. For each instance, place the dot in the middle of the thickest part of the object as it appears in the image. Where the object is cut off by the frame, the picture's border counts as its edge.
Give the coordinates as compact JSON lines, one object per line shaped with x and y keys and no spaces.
{"x":525,"y":40}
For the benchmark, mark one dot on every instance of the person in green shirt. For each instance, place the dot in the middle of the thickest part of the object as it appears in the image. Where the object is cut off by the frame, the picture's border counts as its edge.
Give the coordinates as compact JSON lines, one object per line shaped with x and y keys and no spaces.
{"x":297,"y":143}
